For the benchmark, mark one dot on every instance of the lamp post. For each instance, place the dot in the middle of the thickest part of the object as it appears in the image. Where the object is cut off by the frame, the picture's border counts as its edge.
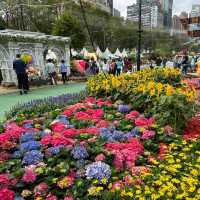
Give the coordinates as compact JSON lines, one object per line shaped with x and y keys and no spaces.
{"x":139,"y":36}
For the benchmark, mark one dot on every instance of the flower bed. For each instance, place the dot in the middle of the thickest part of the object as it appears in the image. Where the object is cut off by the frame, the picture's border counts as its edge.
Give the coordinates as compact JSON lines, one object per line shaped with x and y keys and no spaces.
{"x":160,"y":92}
{"x":96,"y":149}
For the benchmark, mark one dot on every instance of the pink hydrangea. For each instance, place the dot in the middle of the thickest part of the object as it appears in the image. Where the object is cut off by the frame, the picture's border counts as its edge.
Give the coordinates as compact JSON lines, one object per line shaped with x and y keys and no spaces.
{"x":41,"y":189}
{"x":51,"y":197}
{"x":29,"y":176}
{"x":132,"y":115}
{"x":148,"y":134}
{"x":168,"y":130}
{"x":100,"y":157}
{"x":69,"y":198}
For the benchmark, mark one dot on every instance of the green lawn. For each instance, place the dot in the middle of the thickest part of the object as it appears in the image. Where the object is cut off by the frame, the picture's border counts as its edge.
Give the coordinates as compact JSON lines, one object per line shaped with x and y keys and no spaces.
{"x":7,"y":101}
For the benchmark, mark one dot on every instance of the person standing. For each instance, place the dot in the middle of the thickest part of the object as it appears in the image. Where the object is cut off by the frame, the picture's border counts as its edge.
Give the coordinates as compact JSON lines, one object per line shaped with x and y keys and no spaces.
{"x":119,"y":64}
{"x":63,"y":71}
{"x":105,"y":67}
{"x":19,"y":67}
{"x":51,"y":71}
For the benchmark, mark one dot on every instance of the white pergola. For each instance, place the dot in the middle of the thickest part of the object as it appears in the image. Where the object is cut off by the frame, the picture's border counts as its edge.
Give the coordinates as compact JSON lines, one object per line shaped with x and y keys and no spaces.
{"x":36,"y":44}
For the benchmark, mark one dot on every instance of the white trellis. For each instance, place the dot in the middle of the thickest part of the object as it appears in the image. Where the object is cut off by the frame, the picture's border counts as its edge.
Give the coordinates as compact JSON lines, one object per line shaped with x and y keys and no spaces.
{"x":13,"y":42}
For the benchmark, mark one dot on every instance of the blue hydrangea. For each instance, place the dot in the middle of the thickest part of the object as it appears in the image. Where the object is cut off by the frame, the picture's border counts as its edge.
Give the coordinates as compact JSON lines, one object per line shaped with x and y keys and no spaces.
{"x":124,"y":108}
{"x":63,"y":119}
{"x":18,"y":198}
{"x":29,"y":136}
{"x":55,"y":150}
{"x":16,"y":155}
{"x":80,"y":164}
{"x":32,"y":158}
{"x":79,"y":152}
{"x":28,"y":125}
{"x":29,"y":146}
{"x":112,"y":135}
{"x":71,"y":126}
{"x":133,"y":133}
{"x":98,"y":170}
{"x":43,"y":134}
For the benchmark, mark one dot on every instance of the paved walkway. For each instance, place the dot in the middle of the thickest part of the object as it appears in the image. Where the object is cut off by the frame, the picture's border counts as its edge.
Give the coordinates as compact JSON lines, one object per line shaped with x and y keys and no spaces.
{"x":7,"y":101}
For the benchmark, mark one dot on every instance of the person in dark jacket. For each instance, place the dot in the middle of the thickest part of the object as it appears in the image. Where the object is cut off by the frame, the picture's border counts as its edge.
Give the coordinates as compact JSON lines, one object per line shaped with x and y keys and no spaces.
{"x":20,"y":68}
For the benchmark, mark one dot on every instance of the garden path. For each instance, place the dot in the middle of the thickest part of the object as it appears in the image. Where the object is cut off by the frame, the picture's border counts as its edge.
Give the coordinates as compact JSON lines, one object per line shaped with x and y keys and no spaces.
{"x":7,"y":101}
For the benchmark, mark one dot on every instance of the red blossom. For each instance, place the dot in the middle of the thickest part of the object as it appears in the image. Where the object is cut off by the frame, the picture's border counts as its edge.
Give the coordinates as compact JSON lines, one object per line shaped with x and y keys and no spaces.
{"x":125,"y":153}
{"x":6,"y":194}
{"x":148,"y":134}
{"x":142,"y":122}
{"x":132,"y":115}
{"x":100,"y":157}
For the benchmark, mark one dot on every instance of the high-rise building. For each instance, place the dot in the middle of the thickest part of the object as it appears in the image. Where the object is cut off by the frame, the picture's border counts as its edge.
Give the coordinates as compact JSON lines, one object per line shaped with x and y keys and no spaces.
{"x":116,"y":13}
{"x":151,"y":13}
{"x":167,"y":13}
{"x":195,"y":10}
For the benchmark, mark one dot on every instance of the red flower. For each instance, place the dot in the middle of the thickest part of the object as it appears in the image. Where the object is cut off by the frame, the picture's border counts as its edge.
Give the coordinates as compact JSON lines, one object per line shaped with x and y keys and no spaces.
{"x":4,"y":181}
{"x":70,"y":133}
{"x":162,"y":151}
{"x":102,"y":124}
{"x":142,"y":121}
{"x":6,"y":194}
{"x":125,"y":153}
{"x":58,"y":127}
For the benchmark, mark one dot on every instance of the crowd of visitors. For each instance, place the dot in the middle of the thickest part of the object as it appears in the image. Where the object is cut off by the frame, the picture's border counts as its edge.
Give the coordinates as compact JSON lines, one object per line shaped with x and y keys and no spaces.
{"x":113,"y":66}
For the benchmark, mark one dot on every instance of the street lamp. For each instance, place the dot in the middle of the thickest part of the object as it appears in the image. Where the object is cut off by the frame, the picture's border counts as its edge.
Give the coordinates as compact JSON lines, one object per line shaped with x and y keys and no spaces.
{"x":139,"y":36}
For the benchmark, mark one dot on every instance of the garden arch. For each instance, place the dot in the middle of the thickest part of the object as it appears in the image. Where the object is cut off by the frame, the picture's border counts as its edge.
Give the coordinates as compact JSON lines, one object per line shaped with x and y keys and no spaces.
{"x":13,"y":42}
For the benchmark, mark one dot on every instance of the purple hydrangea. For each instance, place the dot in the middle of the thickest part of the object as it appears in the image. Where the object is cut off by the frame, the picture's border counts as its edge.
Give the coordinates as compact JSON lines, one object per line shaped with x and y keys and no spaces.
{"x":32,"y":158}
{"x":29,"y":146}
{"x":98,"y":170}
{"x":124,"y":108}
{"x":18,"y":198}
{"x":79,"y":152}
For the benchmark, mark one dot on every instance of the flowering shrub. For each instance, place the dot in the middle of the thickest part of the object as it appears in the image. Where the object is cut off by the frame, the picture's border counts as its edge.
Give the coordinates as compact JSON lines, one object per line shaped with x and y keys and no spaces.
{"x":96,"y":149}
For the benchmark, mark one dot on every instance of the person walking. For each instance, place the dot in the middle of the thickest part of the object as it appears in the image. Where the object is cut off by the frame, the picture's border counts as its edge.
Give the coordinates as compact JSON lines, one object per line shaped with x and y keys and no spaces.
{"x":19,"y":67}
{"x":63,"y":71}
{"x":51,"y":71}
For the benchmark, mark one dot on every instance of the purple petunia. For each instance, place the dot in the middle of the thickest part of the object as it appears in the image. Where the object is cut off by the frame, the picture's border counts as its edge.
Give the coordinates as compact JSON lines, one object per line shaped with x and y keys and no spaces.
{"x":98,"y":170}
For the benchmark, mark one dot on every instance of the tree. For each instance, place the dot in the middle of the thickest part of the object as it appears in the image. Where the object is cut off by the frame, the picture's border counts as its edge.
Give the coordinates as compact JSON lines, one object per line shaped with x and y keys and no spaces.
{"x":2,"y":23}
{"x":70,"y":26}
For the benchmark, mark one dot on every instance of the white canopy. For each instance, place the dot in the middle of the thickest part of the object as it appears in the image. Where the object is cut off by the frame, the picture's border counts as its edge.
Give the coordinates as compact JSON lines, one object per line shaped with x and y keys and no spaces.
{"x":107,"y":54}
{"x":118,"y":53}
{"x":124,"y":53}
{"x":84,"y":52}
{"x":99,"y":52}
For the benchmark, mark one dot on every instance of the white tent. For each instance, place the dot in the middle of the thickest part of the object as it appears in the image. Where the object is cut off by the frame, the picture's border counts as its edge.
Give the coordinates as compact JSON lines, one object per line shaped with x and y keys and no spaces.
{"x":118,"y":53}
{"x":107,"y":54}
{"x":124,"y":54}
{"x":99,"y":52}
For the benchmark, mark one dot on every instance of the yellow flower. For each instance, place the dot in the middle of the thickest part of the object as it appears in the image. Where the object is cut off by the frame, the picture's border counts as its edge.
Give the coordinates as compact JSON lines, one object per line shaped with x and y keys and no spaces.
{"x":94,"y":191}
{"x":26,"y":193}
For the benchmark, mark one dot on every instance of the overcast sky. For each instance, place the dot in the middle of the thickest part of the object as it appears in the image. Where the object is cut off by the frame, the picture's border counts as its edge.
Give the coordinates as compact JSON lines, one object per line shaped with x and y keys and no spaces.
{"x":179,"y":5}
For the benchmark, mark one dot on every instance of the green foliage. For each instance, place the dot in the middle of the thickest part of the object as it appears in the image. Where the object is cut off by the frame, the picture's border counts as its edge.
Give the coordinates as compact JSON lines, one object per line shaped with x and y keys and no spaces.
{"x":2,"y":24}
{"x":174,"y":110}
{"x":70,"y":26}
